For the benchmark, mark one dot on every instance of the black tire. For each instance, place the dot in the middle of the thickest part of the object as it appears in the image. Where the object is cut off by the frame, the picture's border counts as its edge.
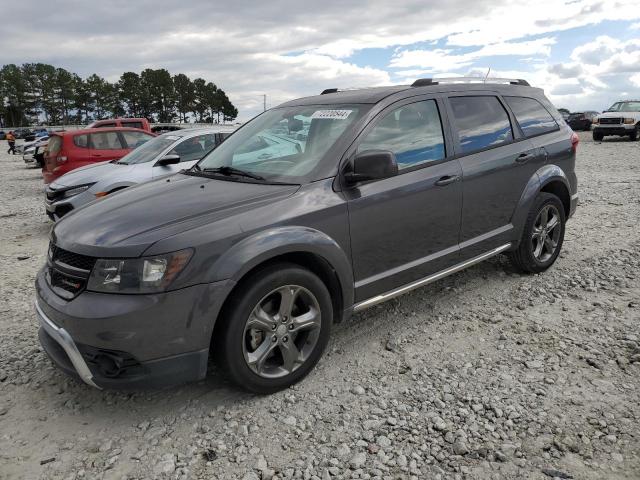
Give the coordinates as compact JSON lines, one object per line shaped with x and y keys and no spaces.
{"x":523,"y":258}
{"x":633,"y":136}
{"x":231,"y":337}
{"x":597,"y":136}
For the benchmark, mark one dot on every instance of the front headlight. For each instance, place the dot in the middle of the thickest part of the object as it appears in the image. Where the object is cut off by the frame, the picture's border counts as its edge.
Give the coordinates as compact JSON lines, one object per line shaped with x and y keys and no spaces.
{"x":595,"y":121}
{"x":137,"y":275}
{"x":72,"y":192}
{"x":629,"y":121}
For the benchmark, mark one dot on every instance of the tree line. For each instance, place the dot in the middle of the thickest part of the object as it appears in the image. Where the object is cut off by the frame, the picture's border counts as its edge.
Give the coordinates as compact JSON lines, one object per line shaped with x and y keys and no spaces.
{"x":41,"y":93}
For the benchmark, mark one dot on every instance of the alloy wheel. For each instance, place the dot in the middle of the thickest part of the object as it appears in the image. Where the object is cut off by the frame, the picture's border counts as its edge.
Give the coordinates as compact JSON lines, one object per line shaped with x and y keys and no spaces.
{"x":281,"y":331}
{"x":546,"y":233}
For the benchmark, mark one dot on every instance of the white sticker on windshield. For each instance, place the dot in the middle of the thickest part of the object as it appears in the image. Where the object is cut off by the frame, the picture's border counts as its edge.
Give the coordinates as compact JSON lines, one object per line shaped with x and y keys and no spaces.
{"x":331,"y":114}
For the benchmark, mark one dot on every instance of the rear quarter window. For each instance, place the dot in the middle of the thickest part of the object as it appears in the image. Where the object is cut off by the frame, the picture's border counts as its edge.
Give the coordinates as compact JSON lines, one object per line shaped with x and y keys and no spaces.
{"x":532,"y":117}
{"x":481,"y":122}
{"x":54,"y":144}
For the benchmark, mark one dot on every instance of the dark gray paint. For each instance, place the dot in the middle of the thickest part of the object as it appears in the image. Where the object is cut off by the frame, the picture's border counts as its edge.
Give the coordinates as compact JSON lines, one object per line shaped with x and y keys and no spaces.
{"x":376,"y":236}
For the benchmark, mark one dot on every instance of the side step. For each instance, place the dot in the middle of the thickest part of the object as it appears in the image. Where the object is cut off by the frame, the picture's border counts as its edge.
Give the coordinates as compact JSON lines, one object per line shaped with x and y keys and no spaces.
{"x":426,"y":280}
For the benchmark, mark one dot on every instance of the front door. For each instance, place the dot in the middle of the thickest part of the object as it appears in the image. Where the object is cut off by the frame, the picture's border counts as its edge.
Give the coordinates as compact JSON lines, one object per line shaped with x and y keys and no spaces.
{"x":405,"y":227}
{"x":190,"y":151}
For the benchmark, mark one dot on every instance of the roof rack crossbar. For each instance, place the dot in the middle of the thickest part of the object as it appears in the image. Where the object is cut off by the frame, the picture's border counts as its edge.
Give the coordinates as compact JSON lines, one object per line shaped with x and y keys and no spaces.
{"x":423,"y":82}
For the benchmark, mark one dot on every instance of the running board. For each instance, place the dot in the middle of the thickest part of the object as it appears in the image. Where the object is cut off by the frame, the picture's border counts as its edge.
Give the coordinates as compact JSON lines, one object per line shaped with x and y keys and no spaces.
{"x":426,"y":280}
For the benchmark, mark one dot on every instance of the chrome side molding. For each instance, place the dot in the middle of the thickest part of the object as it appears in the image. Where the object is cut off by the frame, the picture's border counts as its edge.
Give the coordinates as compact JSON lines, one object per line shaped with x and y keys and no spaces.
{"x":426,"y":280}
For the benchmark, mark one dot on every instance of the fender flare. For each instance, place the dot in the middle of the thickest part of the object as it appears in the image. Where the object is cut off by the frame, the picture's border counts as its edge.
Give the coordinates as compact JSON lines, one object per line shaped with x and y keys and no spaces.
{"x":265,"y":245}
{"x":542,"y":177}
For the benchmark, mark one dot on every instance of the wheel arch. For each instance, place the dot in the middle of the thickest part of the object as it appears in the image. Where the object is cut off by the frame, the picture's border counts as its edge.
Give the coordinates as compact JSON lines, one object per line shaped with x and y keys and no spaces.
{"x":550,"y":179}
{"x":303,"y":246}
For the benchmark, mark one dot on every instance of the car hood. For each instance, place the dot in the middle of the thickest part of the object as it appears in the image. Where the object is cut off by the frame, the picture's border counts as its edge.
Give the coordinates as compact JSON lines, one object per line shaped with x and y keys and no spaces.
{"x":125,"y":224}
{"x":88,"y":174}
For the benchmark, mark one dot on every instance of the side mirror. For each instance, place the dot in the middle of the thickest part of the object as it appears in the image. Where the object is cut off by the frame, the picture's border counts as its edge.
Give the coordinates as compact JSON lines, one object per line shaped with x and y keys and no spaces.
{"x":372,"y":165}
{"x":168,"y":160}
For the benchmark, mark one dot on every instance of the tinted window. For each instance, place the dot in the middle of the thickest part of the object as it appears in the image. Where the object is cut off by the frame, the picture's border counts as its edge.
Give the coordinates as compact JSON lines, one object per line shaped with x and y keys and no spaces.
{"x":132,"y":124}
{"x":81,"y":141}
{"x":105,"y":125}
{"x":412,"y":132}
{"x":194,"y":148}
{"x":105,"y":141}
{"x":481,"y":122}
{"x":135,"y":139}
{"x":533,"y":118}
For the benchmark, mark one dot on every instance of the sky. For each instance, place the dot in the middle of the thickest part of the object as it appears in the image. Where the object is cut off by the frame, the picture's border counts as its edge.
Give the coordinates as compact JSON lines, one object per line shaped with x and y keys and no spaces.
{"x":585,"y":54}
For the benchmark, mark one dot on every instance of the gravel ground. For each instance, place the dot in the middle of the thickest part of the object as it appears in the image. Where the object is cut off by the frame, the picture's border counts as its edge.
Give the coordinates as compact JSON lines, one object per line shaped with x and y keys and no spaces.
{"x":485,"y":374}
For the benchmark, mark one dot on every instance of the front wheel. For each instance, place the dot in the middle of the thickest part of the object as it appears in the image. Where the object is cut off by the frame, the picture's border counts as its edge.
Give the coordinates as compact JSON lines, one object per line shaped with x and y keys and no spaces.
{"x":597,"y":136}
{"x":542,"y":235}
{"x":275,"y":328}
{"x":633,"y":136}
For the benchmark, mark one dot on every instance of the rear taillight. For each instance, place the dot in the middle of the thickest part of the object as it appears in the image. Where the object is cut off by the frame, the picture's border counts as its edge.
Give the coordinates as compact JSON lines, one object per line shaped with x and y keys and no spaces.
{"x":61,"y":159}
{"x":575,"y":139}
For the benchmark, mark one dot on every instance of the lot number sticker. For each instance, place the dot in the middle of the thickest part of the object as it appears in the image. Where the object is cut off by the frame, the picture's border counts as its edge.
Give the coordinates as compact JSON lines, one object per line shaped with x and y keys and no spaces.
{"x":331,"y":114}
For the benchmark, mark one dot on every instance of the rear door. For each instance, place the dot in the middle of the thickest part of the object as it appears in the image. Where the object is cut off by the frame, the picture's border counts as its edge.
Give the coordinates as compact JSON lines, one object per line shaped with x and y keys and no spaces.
{"x":497,"y":163}
{"x":107,"y":146}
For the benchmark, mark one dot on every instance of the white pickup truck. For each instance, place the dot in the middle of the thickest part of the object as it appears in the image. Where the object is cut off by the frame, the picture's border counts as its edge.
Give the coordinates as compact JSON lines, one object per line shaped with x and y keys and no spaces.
{"x":621,"y":119}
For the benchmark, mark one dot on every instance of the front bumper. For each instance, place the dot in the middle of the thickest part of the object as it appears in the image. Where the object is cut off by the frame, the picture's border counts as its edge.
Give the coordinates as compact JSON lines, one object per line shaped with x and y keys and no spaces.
{"x":621,"y":129}
{"x":155,"y":341}
{"x":58,"y":208}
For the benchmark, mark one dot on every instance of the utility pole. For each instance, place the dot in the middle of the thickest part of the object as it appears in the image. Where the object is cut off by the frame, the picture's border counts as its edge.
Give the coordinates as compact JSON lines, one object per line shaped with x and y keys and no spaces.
{"x":265,"y":102}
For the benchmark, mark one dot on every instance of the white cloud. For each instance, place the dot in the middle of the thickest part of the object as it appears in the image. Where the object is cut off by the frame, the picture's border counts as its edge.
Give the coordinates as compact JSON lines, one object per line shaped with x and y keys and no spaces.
{"x":288,"y":48}
{"x":438,"y":60}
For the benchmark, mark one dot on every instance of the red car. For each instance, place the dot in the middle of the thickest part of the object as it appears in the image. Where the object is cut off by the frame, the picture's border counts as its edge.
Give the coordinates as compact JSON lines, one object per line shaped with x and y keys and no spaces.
{"x":69,"y":150}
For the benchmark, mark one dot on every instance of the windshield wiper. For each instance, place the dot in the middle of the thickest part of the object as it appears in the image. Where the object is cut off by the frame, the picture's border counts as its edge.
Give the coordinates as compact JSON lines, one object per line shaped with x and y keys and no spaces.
{"x":228,"y":171}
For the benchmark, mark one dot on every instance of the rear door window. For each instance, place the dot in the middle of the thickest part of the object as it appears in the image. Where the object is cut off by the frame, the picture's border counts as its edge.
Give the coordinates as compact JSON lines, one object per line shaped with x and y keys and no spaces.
{"x":134,"y":139}
{"x":412,"y":132}
{"x":481,"y":122}
{"x":81,"y":141}
{"x":533,"y":118}
{"x":106,"y":141}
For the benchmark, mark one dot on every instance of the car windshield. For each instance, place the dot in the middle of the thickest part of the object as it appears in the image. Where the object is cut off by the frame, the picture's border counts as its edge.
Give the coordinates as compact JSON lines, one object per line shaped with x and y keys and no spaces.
{"x":625,"y":107}
{"x":283,"y":144}
{"x":149,"y":150}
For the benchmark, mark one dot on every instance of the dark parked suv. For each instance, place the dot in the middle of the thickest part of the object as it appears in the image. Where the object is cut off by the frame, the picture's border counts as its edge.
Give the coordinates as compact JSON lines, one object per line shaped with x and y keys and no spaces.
{"x":316,"y":209}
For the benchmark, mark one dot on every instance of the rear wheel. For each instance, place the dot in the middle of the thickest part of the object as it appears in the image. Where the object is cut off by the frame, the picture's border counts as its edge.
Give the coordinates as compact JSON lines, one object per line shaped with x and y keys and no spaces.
{"x":542,"y":235}
{"x":276,"y":326}
{"x":597,"y":136}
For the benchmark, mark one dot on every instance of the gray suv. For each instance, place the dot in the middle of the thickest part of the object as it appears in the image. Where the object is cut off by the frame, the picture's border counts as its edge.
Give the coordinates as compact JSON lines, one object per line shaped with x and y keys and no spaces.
{"x":315,"y":209}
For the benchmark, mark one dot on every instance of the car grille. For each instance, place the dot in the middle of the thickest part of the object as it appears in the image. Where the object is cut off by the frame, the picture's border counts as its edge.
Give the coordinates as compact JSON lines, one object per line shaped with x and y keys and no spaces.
{"x":58,"y":255}
{"x":611,"y":121}
{"x":68,"y":272}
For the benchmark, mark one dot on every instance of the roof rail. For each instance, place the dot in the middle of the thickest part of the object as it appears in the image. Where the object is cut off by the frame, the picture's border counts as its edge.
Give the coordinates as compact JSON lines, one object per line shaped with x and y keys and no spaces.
{"x":329,"y":90}
{"x":423,"y":82}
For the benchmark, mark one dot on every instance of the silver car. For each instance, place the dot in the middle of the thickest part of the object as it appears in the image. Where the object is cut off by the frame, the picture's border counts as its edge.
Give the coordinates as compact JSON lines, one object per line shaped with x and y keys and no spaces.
{"x":164,"y":155}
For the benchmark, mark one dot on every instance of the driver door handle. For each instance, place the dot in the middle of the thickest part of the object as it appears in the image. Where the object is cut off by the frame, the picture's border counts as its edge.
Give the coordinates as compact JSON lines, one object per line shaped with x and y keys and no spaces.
{"x":446,"y":180}
{"x":524,"y":157}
